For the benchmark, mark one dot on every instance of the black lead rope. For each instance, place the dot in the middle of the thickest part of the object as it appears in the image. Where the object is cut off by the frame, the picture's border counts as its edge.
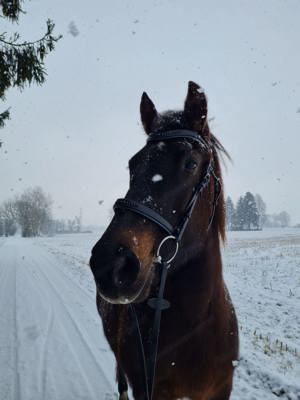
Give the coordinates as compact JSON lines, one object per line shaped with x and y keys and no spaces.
{"x":137,"y":325}
{"x":158,"y":304}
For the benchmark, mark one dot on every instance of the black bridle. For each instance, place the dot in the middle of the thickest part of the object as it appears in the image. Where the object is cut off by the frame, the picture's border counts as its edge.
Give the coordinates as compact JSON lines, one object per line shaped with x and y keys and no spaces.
{"x":174,"y":233}
{"x":147,"y":212}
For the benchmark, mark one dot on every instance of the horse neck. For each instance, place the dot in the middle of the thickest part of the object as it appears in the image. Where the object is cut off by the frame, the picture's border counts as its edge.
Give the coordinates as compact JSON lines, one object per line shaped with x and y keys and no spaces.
{"x":198,"y":273}
{"x":202,"y":254}
{"x":197,"y":292}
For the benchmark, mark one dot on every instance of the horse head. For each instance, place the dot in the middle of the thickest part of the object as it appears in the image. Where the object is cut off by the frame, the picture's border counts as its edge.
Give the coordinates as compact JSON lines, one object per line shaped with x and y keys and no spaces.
{"x":164,"y":175}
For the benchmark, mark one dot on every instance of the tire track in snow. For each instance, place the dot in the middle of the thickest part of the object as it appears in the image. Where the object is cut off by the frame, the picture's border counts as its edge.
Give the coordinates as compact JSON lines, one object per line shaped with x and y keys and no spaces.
{"x":48,"y":330}
{"x":71,"y":318}
{"x":83,"y":374}
{"x":76,"y":326}
{"x":17,"y":374}
{"x":70,"y":277}
{"x":61,"y":271}
{"x":49,"y":348}
{"x":8,"y":292}
{"x":45,"y":353}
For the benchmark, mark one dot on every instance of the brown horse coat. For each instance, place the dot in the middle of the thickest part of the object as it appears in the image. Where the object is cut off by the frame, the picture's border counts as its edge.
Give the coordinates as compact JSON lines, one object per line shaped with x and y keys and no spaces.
{"x":198,"y":339}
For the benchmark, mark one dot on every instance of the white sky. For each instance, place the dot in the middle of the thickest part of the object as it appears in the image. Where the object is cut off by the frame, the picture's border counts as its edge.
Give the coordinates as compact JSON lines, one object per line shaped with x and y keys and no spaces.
{"x":74,"y":135}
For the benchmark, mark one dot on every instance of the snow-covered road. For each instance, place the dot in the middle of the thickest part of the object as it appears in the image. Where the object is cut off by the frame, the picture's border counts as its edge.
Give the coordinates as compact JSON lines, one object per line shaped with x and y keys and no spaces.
{"x":51,"y":346}
{"x":51,"y":340}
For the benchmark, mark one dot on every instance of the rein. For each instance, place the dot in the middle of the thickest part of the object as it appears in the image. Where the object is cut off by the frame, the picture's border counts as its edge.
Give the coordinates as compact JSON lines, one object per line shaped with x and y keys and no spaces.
{"x":174,"y":233}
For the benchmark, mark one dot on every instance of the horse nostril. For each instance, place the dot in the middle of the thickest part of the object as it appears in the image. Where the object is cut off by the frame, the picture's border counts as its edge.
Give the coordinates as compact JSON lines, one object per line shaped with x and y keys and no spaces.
{"x":126,"y":268}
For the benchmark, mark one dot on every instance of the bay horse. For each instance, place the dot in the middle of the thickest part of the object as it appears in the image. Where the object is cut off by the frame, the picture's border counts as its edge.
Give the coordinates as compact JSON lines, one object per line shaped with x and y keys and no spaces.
{"x":198,"y":339}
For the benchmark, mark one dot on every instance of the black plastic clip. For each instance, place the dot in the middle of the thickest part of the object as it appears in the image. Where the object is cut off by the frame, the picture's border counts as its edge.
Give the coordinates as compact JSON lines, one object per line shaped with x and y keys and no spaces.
{"x":157,"y":303}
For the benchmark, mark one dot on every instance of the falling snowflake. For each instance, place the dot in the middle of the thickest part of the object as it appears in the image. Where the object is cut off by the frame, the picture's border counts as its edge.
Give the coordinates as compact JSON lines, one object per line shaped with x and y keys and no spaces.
{"x":73,"y":30}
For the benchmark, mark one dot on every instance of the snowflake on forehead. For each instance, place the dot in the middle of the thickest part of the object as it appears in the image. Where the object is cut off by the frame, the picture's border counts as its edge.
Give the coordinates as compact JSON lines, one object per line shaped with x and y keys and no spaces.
{"x":156,"y":178}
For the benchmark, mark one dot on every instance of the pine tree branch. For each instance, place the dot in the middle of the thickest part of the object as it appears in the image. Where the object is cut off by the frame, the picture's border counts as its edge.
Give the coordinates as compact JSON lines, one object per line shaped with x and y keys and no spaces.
{"x":4,"y":116}
{"x":22,"y":63}
{"x":50,"y":27}
{"x":13,"y":44}
{"x":11,"y":9}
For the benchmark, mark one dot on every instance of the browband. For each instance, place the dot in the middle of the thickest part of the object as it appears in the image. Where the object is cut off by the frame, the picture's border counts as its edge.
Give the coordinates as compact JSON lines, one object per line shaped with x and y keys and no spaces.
{"x":177,"y":134}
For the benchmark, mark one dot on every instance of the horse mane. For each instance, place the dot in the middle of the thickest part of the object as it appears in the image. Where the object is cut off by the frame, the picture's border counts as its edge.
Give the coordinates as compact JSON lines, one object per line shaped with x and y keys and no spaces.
{"x":220,"y":213}
{"x":170,"y":120}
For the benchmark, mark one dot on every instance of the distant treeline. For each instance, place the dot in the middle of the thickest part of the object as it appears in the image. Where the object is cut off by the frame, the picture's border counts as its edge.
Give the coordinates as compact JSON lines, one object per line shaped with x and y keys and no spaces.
{"x":31,"y":212}
{"x":250,"y":213}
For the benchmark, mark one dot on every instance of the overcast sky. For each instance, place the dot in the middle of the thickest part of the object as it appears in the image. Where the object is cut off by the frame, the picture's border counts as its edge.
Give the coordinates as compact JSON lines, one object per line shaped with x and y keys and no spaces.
{"x":74,"y":135}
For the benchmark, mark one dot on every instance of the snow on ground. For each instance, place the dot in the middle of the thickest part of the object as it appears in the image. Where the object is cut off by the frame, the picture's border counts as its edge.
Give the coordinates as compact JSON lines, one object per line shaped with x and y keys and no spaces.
{"x":51,"y":341}
{"x":262,"y":271}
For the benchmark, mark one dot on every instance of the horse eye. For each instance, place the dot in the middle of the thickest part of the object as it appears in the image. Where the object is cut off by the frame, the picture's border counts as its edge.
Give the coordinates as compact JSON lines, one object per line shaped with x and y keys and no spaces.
{"x":191,"y":164}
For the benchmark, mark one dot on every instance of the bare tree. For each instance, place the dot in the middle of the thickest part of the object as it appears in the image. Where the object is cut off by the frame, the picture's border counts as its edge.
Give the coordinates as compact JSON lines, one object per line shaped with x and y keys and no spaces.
{"x":8,"y":218}
{"x":1,"y":223}
{"x":262,"y":209}
{"x":283,"y":218}
{"x":230,"y":214}
{"x":34,"y":212}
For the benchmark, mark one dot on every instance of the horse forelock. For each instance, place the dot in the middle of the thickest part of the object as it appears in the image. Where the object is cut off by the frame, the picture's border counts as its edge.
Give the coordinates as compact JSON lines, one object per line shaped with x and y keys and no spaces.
{"x":169,"y":120}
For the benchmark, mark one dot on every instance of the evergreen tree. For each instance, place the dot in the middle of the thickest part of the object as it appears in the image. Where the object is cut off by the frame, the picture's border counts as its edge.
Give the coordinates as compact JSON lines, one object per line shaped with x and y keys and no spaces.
{"x":240,"y":214}
{"x":21,"y":63}
{"x":251,"y":215}
{"x":230,"y":214}
{"x":1,"y":223}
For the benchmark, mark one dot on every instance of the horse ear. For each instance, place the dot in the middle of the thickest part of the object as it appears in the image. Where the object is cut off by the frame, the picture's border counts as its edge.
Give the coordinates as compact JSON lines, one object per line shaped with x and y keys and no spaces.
{"x":148,"y":112}
{"x":195,"y":108}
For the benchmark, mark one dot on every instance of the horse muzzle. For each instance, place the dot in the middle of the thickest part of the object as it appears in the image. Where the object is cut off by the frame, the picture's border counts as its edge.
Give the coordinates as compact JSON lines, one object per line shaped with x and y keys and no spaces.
{"x":118,"y":276}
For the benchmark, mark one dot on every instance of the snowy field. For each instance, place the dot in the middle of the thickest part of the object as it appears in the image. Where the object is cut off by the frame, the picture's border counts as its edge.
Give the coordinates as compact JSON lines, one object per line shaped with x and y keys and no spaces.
{"x":51,"y":341}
